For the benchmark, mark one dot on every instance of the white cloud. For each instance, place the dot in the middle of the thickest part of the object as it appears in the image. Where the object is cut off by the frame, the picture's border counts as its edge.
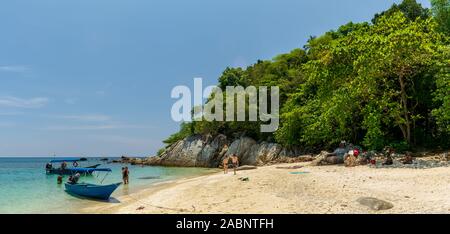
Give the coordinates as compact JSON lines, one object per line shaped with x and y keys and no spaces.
{"x":36,"y":102}
{"x":93,"y":127}
{"x":15,"y":68}
{"x":87,"y":117}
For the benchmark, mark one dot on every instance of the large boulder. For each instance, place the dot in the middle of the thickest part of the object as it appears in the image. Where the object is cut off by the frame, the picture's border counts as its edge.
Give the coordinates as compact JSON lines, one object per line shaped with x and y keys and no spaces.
{"x":212,"y":154}
{"x":243,"y":148}
{"x":183,"y":153}
{"x":193,"y":151}
{"x":208,"y":151}
{"x":267,"y":153}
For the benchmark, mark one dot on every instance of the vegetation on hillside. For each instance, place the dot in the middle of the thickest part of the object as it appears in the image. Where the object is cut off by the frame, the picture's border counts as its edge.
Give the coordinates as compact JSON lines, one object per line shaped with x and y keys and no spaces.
{"x":380,"y":83}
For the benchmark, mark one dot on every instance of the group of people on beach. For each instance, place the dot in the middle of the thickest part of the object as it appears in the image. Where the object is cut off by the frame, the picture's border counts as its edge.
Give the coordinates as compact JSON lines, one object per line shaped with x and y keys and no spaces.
{"x":226,"y":161}
{"x":352,"y":155}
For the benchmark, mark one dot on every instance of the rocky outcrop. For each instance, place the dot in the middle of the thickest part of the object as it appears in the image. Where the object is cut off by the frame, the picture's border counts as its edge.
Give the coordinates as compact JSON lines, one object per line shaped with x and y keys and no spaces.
{"x":208,"y":151}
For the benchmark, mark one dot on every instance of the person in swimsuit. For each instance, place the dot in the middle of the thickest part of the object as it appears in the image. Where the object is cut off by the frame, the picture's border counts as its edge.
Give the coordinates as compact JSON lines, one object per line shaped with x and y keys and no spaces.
{"x":59,"y":179}
{"x":225,"y":164}
{"x":125,"y":175}
{"x":235,"y":162}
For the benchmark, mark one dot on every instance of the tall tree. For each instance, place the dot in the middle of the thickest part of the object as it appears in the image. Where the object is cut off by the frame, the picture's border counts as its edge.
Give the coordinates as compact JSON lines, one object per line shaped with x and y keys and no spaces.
{"x":441,"y":12}
{"x":411,"y":8}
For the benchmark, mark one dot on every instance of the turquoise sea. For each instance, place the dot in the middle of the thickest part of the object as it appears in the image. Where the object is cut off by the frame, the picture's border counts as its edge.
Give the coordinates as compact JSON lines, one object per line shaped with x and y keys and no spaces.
{"x":26,"y":188}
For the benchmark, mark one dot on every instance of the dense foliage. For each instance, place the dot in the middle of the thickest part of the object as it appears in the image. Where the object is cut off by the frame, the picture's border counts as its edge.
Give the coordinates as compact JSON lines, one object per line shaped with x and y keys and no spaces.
{"x":441,"y":12}
{"x":375,"y":84}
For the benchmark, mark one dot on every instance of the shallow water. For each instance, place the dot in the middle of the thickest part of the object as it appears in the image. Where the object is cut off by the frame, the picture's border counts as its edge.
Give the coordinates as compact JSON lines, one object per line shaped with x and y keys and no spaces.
{"x":26,"y":188}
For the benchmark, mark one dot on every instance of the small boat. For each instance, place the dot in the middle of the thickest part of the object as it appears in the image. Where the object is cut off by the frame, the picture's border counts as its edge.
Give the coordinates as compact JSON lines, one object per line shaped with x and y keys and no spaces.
{"x":69,"y":171}
{"x":102,"y":192}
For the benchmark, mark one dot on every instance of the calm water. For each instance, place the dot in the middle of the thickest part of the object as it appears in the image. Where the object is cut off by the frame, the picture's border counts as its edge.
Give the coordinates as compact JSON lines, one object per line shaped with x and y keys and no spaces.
{"x":26,"y":188}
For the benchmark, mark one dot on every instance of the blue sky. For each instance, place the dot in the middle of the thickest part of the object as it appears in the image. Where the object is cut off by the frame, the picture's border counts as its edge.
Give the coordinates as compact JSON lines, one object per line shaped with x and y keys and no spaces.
{"x":93,"y":77}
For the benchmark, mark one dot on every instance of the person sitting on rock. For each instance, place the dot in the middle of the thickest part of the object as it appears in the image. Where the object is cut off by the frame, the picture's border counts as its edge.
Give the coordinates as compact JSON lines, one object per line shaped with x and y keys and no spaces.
{"x":336,"y":157}
{"x":388,"y":152}
{"x":338,"y":154}
{"x":351,"y":159}
{"x":408,"y":158}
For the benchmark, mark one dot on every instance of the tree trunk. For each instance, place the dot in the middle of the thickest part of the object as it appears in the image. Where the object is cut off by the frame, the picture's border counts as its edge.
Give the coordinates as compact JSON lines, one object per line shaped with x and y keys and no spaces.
{"x":404,"y":101}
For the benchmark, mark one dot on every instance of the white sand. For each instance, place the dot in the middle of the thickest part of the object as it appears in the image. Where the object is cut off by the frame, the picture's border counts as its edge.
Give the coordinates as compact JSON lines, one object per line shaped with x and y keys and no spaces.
{"x":325,"y":189}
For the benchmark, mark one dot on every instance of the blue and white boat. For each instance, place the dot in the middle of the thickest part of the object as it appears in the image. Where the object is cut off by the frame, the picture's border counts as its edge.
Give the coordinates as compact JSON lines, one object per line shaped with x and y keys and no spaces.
{"x":49,"y":169}
{"x":102,"y":192}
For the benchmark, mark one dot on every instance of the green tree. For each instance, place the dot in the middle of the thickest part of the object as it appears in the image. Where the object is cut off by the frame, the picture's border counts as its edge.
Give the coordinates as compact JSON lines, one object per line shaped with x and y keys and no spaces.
{"x":410,"y":8}
{"x":378,"y":84}
{"x":441,"y":12}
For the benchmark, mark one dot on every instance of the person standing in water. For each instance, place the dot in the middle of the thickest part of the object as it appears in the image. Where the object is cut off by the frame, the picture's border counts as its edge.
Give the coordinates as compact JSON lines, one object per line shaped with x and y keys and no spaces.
{"x":235,"y":162}
{"x":125,"y":175}
{"x":59,"y":179}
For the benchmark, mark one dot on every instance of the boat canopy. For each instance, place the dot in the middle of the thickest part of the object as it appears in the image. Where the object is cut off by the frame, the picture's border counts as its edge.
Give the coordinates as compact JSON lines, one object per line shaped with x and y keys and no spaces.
{"x":84,"y":169}
{"x":65,"y":160}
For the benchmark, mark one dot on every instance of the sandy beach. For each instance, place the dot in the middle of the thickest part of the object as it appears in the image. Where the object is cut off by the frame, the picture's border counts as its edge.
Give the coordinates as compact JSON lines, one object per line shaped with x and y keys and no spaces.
{"x":323,"y":189}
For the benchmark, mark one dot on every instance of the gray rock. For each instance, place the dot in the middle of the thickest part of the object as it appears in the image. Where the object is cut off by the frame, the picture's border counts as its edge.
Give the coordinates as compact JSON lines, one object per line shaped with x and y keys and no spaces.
{"x":208,"y":151}
{"x":211,"y":154}
{"x":267,"y":152}
{"x":374,"y":203}
{"x":243,"y":148}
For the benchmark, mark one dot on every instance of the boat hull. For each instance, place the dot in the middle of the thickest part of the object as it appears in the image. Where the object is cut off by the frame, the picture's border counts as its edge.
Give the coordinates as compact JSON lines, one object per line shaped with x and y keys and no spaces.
{"x":102,"y":192}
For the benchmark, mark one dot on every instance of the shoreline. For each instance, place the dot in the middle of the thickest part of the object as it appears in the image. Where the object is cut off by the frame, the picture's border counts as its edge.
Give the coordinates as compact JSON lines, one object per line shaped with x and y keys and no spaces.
{"x":323,"y":189}
{"x":104,"y":207}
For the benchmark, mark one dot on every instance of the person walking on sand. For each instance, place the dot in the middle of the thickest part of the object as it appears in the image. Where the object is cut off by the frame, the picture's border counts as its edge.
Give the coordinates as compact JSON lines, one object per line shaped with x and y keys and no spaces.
{"x":225,"y":164}
{"x":125,"y":175}
{"x":235,"y":162}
